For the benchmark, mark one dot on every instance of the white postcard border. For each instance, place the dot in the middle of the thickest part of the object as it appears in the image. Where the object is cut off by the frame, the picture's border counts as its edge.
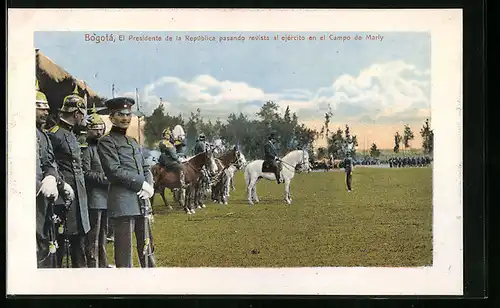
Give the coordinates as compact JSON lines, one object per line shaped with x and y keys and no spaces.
{"x":445,"y":277}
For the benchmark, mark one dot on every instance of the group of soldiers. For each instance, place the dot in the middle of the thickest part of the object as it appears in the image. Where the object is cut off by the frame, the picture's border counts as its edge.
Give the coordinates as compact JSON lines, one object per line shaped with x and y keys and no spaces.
{"x":401,"y":162}
{"x":172,"y":154}
{"x":82,"y":185}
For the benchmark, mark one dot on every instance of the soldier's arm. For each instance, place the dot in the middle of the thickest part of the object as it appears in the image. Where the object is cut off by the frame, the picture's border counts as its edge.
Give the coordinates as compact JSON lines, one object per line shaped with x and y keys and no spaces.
{"x":113,"y":169}
{"x":55,"y":144}
{"x":91,"y":176}
{"x":146,"y":169}
{"x":48,"y":162}
{"x":173,"y":154}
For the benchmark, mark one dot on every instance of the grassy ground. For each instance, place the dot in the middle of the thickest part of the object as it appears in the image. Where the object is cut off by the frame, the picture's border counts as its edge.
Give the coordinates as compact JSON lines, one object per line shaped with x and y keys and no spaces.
{"x":385,"y":221}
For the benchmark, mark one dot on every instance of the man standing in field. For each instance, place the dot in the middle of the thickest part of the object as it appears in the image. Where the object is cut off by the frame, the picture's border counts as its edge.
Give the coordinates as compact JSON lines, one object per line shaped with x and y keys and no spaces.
{"x":130,"y":186}
{"x":348,"y":165}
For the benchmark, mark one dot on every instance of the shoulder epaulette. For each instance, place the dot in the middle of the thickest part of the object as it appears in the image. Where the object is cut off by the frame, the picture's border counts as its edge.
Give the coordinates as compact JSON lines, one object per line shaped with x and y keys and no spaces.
{"x":54,"y":129}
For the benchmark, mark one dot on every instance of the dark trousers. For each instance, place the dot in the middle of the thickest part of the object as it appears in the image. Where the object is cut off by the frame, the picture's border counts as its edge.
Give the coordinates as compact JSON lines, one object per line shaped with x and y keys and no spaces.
{"x":348,"y":178}
{"x":76,"y":250}
{"x":274,"y":165}
{"x":95,"y":241}
{"x":124,"y":227}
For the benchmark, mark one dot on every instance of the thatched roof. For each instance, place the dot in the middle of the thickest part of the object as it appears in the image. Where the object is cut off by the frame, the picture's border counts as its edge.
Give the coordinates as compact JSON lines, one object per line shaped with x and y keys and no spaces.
{"x":56,"y":83}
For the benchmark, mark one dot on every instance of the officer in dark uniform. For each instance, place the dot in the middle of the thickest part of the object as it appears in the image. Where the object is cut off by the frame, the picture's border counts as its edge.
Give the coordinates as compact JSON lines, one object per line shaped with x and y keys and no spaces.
{"x":348,"y":165}
{"x":200,"y":145}
{"x":96,"y":183}
{"x":130,"y":186}
{"x":271,"y":156}
{"x":67,"y":152}
{"x":48,"y":186}
{"x":169,"y":158}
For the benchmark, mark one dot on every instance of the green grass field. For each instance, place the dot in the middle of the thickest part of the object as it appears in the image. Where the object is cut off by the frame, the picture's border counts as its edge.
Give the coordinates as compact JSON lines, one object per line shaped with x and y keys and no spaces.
{"x":385,"y":221}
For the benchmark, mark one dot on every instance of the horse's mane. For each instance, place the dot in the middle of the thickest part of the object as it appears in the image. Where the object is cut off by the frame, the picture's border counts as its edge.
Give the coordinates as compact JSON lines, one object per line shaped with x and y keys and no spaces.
{"x":293,"y":153}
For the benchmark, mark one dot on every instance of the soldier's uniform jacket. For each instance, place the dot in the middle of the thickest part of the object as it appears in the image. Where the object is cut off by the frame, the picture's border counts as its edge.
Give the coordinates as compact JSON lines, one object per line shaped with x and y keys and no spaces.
{"x":348,"y":163}
{"x":170,"y":156}
{"x":126,"y":168}
{"x":200,"y":147}
{"x":270,"y":151}
{"x":95,"y":179}
{"x":45,"y":166}
{"x":68,"y":158}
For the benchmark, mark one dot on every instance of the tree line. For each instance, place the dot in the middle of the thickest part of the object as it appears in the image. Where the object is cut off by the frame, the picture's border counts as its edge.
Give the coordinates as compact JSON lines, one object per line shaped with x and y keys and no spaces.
{"x":251,"y":134}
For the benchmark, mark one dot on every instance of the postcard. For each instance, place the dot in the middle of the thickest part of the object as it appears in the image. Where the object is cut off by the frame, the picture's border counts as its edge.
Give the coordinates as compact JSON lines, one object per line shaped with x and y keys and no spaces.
{"x":308,"y":152}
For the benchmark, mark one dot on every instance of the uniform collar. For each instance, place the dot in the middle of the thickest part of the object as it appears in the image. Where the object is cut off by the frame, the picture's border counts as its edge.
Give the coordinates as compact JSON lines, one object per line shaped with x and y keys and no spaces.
{"x":67,"y":126}
{"x":118,"y":130}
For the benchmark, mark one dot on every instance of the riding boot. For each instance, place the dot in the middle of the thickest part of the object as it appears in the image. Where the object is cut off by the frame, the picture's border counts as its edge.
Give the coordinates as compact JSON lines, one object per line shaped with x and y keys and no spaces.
{"x":278,"y":177}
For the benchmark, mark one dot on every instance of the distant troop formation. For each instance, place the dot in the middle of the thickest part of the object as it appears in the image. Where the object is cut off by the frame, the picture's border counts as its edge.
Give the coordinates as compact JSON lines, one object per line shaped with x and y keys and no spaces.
{"x":402,"y":162}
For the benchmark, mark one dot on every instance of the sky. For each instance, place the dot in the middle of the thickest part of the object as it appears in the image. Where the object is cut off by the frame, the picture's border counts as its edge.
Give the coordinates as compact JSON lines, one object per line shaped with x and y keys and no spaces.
{"x":375,"y":86}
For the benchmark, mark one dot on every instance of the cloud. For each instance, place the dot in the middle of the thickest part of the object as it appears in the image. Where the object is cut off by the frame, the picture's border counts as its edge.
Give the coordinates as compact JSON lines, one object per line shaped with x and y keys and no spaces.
{"x":382,"y":92}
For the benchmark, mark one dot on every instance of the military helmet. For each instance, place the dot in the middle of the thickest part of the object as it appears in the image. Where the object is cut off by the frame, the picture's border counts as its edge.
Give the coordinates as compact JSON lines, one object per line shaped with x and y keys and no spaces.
{"x":272,"y":135}
{"x":96,"y":122}
{"x":41,"y":99}
{"x":74,"y":102}
{"x":166,"y":132}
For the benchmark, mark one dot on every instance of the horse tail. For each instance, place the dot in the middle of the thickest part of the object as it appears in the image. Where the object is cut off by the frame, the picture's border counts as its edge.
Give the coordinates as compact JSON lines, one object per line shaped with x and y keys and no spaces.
{"x":247,"y":177}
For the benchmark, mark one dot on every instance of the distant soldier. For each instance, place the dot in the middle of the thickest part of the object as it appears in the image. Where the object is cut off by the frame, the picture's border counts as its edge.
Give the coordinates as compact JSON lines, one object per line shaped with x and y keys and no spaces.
{"x":348,"y":165}
{"x":200,"y":145}
{"x":130,"y":186}
{"x":67,"y":152}
{"x":169,"y":158}
{"x":48,"y":186}
{"x":97,"y":184}
{"x":271,"y":156}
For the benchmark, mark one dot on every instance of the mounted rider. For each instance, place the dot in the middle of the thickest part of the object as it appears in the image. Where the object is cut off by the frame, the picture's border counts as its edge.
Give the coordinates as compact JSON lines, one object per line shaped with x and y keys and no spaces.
{"x":200,"y":147}
{"x":271,"y":156}
{"x":169,"y":158}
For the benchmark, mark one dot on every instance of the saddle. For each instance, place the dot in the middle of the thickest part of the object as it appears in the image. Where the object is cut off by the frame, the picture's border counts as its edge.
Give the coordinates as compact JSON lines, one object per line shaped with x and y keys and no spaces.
{"x":268,"y":166}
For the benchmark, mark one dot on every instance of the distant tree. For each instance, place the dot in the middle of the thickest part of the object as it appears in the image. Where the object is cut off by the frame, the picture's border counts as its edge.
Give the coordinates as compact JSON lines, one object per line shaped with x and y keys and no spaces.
{"x":269,"y":113}
{"x":407,"y":136}
{"x":322,"y":153}
{"x":397,"y":141}
{"x":374,"y":151}
{"x":336,"y":144}
{"x":427,"y":138}
{"x":325,"y":130}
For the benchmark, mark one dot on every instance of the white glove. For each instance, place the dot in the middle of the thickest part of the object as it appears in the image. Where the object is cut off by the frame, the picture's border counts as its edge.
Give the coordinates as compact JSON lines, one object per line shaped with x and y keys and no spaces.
{"x":146,"y":192}
{"x":49,"y":187}
{"x":68,"y":190}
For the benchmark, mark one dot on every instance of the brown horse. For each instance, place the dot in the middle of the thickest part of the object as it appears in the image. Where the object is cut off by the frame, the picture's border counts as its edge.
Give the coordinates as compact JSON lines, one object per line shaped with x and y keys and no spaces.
{"x":223,"y":162}
{"x":192,"y":171}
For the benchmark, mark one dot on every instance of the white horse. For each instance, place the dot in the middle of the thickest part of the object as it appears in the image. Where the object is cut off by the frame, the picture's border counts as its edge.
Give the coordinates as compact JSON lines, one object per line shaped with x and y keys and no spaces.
{"x":253,"y":172}
{"x":229,"y":174}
